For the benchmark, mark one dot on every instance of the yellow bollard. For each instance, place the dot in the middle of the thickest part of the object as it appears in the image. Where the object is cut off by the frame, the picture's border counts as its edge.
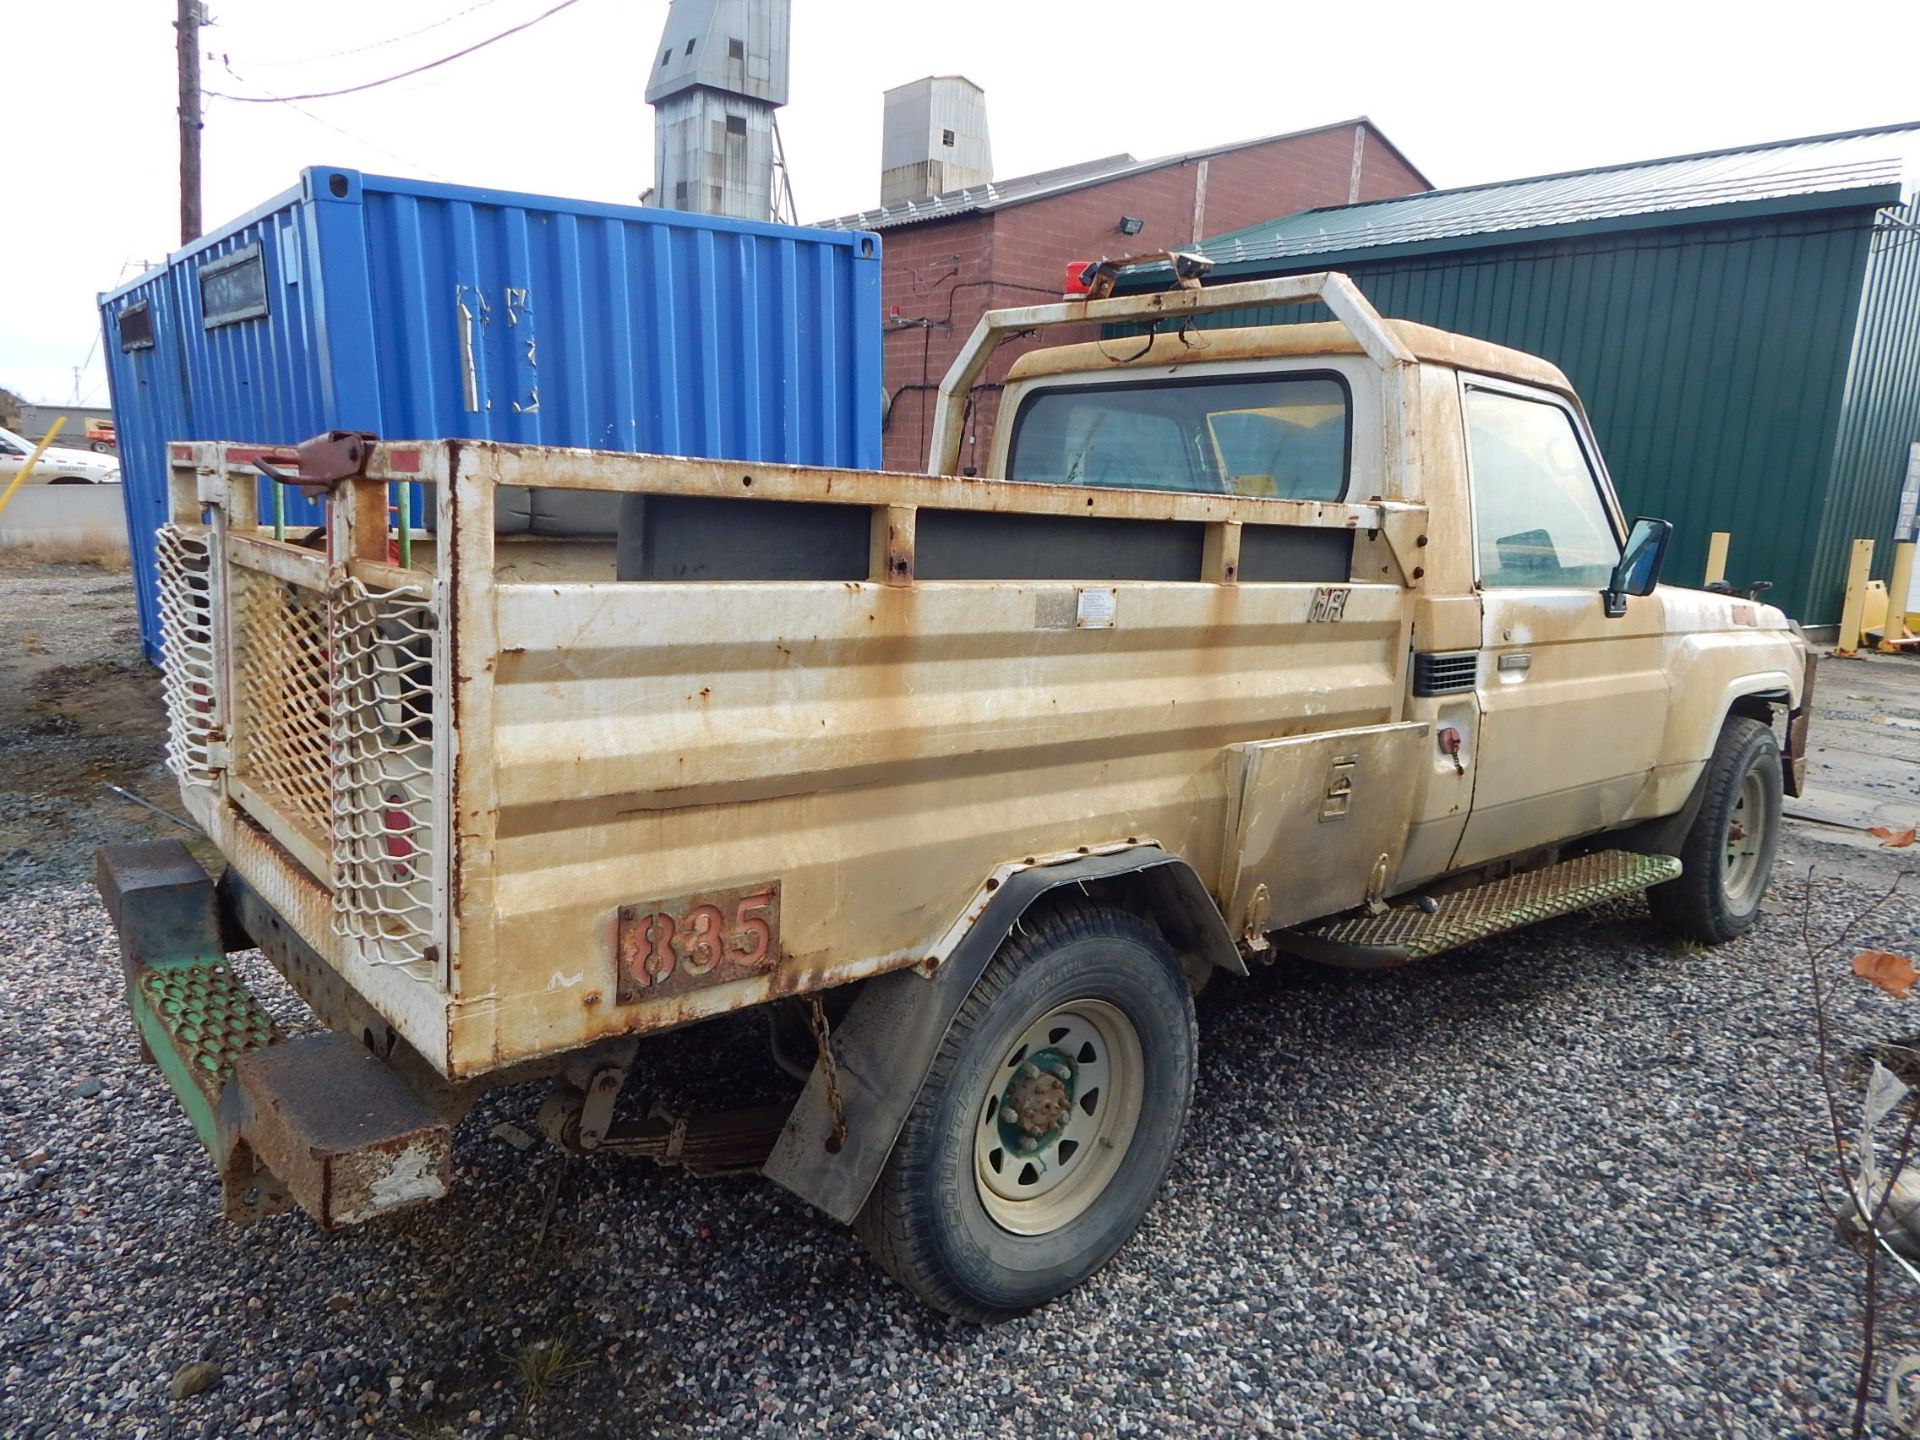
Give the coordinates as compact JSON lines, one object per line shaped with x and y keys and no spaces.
{"x":33,"y":459}
{"x":1897,"y":587}
{"x":1717,"y":556}
{"x":1857,"y":567}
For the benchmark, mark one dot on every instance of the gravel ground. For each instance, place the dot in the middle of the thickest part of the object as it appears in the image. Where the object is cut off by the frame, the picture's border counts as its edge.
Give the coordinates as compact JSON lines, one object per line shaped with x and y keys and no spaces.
{"x":1558,"y":1184}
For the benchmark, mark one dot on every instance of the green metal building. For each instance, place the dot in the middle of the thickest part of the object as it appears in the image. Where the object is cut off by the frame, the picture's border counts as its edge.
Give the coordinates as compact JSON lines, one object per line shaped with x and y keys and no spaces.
{"x":1744,"y":327}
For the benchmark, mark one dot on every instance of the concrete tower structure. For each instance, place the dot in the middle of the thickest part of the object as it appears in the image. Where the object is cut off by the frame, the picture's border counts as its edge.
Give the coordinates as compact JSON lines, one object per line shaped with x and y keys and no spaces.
{"x":933,"y":139}
{"x":718,"y":76}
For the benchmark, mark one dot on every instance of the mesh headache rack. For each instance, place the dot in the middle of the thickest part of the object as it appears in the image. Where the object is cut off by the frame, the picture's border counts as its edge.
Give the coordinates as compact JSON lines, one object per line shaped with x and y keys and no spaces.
{"x":312,"y":699}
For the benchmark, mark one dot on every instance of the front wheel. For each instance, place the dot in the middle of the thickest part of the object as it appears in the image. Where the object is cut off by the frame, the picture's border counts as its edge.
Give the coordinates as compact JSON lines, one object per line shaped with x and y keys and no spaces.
{"x":1728,"y":853}
{"x":1047,"y":1122}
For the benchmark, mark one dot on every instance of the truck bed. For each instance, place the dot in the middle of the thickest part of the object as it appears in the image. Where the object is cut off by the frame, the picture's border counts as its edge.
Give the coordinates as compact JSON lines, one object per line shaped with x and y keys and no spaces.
{"x":519,"y":803}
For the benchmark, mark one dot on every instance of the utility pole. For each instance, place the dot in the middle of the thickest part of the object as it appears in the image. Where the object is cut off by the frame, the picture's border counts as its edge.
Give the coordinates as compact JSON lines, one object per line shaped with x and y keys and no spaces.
{"x":187,"y":35}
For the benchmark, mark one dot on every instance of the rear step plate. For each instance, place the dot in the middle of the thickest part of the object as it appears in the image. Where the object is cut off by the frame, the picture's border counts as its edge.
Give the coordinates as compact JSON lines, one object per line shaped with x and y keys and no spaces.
{"x":1406,"y":932}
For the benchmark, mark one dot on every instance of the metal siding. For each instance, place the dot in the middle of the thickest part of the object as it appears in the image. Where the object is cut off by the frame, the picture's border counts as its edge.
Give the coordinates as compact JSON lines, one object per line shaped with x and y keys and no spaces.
{"x":145,"y":389}
{"x":1711,"y":359}
{"x":640,"y":330}
{"x":1783,"y":171}
{"x":1880,"y":415}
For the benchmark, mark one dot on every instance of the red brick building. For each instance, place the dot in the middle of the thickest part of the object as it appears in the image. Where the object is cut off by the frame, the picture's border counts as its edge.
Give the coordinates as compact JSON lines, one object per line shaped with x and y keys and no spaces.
{"x":948,"y":257}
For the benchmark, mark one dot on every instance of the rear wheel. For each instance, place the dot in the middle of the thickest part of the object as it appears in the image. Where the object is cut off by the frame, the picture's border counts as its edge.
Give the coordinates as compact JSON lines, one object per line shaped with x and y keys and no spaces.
{"x":1047,"y":1122}
{"x":1728,"y":852}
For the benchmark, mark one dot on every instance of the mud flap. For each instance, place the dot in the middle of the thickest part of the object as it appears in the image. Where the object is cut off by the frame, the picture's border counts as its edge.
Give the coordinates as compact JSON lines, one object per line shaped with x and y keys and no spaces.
{"x":1793,"y":755}
{"x":883,"y":1047}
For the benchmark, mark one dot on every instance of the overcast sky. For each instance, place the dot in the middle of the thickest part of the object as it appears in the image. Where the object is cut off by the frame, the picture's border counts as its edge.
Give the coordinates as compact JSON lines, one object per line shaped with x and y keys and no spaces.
{"x":1469,"y":93}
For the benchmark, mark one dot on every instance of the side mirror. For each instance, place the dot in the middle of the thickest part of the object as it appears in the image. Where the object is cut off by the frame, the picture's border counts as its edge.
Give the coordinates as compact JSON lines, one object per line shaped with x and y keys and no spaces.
{"x":1639,"y":568}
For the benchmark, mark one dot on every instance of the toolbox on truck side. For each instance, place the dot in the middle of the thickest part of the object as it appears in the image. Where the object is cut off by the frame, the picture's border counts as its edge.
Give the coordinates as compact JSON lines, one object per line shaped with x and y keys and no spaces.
{"x":973,"y":780}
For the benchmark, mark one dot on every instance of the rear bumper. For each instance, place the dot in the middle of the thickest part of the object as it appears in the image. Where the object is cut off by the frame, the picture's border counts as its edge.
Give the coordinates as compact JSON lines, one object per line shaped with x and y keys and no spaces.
{"x":316,"y":1120}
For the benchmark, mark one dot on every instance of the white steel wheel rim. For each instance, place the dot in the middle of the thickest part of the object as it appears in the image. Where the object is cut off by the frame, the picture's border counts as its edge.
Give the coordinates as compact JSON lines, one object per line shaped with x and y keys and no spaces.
{"x":1746,"y":840}
{"x":1079,"y":1065}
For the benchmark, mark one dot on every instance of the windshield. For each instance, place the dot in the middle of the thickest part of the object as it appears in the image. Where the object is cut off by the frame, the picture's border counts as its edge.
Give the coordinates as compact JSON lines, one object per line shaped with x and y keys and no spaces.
{"x":1280,"y":438}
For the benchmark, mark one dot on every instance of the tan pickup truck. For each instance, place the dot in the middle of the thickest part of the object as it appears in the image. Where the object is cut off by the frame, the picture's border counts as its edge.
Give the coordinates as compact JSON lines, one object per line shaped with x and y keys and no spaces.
{"x":1329,"y":639}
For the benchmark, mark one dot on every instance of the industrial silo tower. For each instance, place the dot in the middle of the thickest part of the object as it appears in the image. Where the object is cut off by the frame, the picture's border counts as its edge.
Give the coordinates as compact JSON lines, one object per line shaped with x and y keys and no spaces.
{"x":719,"y":74}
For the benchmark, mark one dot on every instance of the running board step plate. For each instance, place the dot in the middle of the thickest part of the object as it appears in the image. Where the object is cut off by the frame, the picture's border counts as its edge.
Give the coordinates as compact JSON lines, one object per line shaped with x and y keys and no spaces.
{"x":1406,"y":933}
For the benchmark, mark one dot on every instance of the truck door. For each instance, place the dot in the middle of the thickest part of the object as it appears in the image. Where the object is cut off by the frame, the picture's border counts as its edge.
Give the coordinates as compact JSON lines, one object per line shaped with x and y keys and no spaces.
{"x":1572,"y":702}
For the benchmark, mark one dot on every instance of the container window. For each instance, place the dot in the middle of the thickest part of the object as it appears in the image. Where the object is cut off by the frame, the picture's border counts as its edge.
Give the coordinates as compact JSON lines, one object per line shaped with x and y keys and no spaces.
{"x":736,"y":124}
{"x":1272,"y":437}
{"x":665,"y":56}
{"x":946,"y":138}
{"x":136,"y":326}
{"x":234,"y":288}
{"x":736,"y":49}
{"x":689,"y":47}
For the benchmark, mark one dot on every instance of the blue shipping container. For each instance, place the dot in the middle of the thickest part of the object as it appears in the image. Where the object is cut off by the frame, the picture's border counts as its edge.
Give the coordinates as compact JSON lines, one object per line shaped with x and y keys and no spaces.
{"x":419,"y":311}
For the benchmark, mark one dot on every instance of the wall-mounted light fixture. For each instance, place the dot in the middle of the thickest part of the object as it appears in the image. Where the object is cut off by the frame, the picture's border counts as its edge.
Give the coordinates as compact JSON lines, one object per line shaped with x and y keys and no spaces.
{"x":1131,"y":224}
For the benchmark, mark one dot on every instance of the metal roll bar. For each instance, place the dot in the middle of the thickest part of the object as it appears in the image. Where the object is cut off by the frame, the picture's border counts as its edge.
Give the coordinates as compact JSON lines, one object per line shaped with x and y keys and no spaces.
{"x":1329,"y":287}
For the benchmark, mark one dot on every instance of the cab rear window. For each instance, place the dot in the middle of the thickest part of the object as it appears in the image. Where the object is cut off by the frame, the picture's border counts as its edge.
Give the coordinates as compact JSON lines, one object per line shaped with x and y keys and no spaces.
{"x":1284,"y":438}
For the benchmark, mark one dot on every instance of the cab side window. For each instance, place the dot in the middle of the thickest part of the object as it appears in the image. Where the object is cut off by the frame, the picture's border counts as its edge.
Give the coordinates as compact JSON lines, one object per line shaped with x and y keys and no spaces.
{"x":1537,"y":513}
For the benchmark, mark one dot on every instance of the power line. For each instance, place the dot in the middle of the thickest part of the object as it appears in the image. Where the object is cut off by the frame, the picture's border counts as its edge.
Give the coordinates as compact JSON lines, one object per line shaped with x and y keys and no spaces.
{"x":404,"y":74}
{"x":328,"y":124}
{"x":376,"y":45}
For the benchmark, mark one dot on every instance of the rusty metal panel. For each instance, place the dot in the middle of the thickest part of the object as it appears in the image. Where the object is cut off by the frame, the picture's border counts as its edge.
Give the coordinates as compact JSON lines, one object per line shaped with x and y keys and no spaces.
{"x":339,"y":1130}
{"x":877,"y":749}
{"x":668,"y":946}
{"x":1316,"y":823}
{"x":864,"y":751}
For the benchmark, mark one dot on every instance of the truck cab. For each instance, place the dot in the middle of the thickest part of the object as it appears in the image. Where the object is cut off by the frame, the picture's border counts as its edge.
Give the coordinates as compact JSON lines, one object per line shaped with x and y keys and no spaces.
{"x":1561,"y":706}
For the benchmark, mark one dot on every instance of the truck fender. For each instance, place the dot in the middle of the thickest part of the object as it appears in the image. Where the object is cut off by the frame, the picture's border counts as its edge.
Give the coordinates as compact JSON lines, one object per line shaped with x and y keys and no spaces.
{"x":884,"y":1046}
{"x":1752,"y":697}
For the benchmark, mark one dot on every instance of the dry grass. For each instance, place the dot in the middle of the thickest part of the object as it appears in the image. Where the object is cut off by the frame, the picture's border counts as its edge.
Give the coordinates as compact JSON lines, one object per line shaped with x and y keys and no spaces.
{"x":36,"y":554}
{"x":541,"y":1366}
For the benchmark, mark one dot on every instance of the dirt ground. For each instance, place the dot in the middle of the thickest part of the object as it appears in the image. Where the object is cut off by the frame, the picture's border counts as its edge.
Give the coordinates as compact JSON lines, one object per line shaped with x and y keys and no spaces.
{"x":1865,"y":766}
{"x":80,"y":710}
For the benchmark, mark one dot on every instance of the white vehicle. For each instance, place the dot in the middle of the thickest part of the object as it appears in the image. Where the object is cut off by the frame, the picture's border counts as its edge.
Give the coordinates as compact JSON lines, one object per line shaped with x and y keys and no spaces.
{"x":56,"y":465}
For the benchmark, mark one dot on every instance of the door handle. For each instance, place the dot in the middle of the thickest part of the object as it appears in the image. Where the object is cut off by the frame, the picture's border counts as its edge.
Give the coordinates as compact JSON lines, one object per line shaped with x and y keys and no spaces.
{"x":1518,"y":662}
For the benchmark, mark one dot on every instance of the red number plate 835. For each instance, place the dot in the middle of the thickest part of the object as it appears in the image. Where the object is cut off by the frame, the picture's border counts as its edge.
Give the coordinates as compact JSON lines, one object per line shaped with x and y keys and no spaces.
{"x":671,"y":945}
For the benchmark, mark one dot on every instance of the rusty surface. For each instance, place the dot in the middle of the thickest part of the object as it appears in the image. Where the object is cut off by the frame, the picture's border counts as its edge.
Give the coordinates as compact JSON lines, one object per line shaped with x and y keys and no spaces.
{"x":726,"y":1142}
{"x":620,"y":473}
{"x":339,"y":1130}
{"x":157,"y":897}
{"x":1276,"y":342}
{"x":669,"y":946}
{"x":1038,"y":1100}
{"x":320,"y":462}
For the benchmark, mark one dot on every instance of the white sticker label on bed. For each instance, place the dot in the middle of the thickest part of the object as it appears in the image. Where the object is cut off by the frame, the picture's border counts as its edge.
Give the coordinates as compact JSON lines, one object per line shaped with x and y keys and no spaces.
{"x":1094,"y":610}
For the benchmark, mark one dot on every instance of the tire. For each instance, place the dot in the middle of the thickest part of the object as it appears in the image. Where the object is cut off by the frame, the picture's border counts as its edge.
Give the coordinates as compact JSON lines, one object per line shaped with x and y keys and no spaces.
{"x":1728,"y":853}
{"x":1089,"y":993}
